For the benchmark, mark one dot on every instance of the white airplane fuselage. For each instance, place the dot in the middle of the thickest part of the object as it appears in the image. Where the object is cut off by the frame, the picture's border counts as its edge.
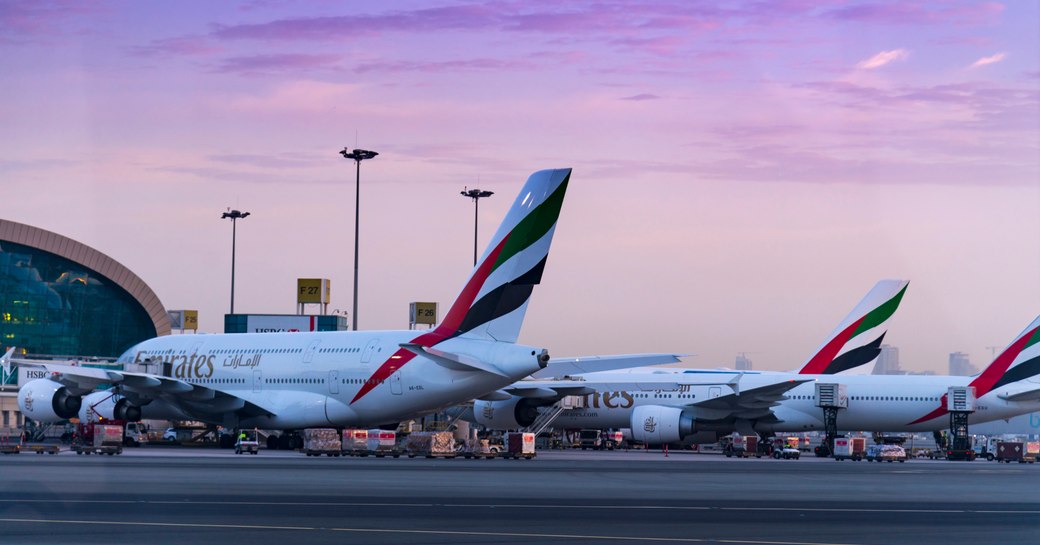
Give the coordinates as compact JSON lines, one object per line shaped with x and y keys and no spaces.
{"x":312,"y":379}
{"x":876,"y":402}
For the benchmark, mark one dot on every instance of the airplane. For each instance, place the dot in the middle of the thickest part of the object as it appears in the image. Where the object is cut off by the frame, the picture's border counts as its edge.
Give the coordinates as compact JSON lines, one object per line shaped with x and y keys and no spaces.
{"x":669,"y":407}
{"x":855,"y":342}
{"x":291,"y":381}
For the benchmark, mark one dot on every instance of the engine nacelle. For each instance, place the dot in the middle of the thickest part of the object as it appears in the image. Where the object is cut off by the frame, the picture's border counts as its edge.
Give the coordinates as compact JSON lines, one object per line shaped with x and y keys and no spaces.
{"x":511,"y":414}
{"x":108,"y":406}
{"x":656,"y":425}
{"x":48,"y":401}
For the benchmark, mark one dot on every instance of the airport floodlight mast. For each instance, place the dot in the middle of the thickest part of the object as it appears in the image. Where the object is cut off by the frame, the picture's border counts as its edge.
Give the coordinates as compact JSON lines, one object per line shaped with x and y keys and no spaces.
{"x":476,"y":195}
{"x":234,"y":216}
{"x":357,"y":155}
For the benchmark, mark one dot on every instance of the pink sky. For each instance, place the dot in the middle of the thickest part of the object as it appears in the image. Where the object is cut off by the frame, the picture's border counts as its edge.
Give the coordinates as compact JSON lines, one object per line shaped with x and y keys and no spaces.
{"x":743,"y":171}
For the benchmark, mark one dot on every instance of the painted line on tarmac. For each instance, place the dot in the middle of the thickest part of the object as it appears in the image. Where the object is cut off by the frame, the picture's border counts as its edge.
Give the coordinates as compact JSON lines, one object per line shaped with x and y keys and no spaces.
{"x":425,"y":532}
{"x":537,"y":506}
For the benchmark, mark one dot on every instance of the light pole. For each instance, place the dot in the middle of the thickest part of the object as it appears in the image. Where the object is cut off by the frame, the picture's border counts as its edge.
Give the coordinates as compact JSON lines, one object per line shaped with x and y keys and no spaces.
{"x":357,"y":155}
{"x":234,"y":216}
{"x":476,"y":195}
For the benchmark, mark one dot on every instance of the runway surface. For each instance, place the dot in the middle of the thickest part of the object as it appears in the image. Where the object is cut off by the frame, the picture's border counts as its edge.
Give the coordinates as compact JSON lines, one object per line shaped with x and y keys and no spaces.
{"x":186,"y":496}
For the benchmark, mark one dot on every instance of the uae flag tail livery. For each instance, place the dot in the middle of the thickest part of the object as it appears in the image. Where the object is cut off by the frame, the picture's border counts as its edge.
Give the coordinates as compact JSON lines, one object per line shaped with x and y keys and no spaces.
{"x":857,"y":339}
{"x":1019,"y":361}
{"x":494,"y":300}
{"x":492,"y":304}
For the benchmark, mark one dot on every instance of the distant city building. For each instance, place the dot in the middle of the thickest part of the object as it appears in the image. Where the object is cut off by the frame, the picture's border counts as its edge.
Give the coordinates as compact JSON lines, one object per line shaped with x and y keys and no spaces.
{"x":888,"y":362}
{"x":743,"y":363}
{"x":961,"y":366}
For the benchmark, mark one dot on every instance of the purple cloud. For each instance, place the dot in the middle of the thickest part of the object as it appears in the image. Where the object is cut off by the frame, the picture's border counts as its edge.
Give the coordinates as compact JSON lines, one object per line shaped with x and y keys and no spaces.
{"x":442,"y":66}
{"x":277,"y":63}
{"x":641,"y":97}
{"x":185,"y":46}
{"x":342,"y":28}
{"x":918,"y":14}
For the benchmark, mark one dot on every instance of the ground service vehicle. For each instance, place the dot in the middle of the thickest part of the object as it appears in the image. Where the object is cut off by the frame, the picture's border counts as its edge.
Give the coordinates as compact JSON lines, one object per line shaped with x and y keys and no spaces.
{"x":93,"y":438}
{"x":788,"y":449}
{"x":1017,"y":451}
{"x":248,"y":441}
{"x":590,"y":439}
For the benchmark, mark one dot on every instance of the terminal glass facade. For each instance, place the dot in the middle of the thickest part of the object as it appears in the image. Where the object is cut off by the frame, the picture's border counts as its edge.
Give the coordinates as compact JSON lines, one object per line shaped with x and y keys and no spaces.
{"x":55,"y":306}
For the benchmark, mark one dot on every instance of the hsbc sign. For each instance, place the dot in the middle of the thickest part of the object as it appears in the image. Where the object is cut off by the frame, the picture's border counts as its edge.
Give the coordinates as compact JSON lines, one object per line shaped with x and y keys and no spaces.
{"x":280,"y":324}
{"x":29,"y":374}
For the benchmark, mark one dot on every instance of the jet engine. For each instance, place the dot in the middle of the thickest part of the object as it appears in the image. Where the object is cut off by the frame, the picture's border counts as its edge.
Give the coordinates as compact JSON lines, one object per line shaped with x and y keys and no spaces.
{"x":48,"y":401}
{"x":511,"y":414}
{"x":655,"y":425}
{"x":108,"y":406}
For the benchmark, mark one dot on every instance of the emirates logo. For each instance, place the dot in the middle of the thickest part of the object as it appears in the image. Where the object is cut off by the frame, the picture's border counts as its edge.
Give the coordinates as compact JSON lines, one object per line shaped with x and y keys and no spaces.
{"x":649,"y":425}
{"x":28,"y":401}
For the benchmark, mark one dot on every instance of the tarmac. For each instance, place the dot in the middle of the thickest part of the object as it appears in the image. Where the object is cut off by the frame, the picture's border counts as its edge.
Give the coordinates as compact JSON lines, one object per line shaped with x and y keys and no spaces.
{"x":190,"y":495}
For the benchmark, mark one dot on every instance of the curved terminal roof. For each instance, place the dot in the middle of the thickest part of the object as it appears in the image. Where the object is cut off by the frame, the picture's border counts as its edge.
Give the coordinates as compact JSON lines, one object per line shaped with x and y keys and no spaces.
{"x":27,"y":235}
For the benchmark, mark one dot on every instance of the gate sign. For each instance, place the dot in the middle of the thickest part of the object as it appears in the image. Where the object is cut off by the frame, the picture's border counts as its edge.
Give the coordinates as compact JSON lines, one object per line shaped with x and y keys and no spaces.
{"x":313,"y":290}
{"x":422,"y":313}
{"x":184,"y":319}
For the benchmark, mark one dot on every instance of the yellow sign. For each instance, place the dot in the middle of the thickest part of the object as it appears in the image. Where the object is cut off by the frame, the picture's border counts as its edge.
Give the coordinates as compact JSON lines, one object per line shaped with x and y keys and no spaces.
{"x":423,"y":313}
{"x":184,"y":319}
{"x":313,"y":290}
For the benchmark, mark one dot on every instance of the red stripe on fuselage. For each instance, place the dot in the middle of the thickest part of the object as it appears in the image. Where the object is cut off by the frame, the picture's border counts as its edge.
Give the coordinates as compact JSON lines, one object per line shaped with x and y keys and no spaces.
{"x":446,"y":330}
{"x":985,"y":381}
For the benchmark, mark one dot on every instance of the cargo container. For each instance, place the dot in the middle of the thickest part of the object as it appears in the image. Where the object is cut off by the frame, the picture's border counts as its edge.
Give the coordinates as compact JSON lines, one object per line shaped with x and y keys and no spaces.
{"x":1032,"y":451}
{"x":318,"y":441}
{"x":519,"y":445}
{"x":478,"y":448}
{"x":355,"y":442}
{"x":1017,"y":451}
{"x":432,"y":444}
{"x":850,"y":448}
{"x":382,"y":443}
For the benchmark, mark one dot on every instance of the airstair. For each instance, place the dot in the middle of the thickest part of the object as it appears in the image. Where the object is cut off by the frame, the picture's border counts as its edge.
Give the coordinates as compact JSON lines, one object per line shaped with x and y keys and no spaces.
{"x":549,"y":415}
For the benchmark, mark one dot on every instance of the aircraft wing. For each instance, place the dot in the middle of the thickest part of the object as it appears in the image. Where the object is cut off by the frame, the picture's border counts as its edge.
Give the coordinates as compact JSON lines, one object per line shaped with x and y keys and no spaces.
{"x":195,"y":400}
{"x":557,"y":389}
{"x":751,"y":404}
{"x":559,"y":367}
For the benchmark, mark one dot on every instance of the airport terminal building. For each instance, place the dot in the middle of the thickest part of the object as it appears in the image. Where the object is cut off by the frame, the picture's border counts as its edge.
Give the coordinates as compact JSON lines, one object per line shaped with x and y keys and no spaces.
{"x":59,"y":297}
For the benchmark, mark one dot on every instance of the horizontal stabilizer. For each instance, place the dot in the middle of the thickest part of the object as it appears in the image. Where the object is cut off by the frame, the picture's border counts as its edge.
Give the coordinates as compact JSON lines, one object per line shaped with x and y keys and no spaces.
{"x":1020,"y":397}
{"x":560,"y":367}
{"x":455,"y":362}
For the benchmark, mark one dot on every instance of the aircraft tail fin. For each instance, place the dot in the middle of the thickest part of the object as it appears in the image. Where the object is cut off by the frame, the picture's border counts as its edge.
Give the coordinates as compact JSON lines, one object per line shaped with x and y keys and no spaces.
{"x":1019,"y":361}
{"x":494,"y":300}
{"x":857,"y":339}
